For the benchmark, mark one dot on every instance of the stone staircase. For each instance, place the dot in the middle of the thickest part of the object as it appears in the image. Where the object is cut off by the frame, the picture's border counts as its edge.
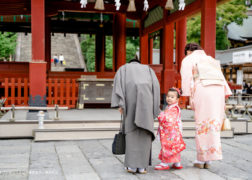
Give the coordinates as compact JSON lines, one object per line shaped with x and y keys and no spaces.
{"x":68,"y":46}
{"x":98,"y":129}
{"x":93,"y":124}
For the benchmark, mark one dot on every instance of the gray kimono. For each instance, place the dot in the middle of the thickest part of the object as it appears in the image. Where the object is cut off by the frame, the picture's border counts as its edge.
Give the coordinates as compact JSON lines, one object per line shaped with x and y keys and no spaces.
{"x":136,"y":89}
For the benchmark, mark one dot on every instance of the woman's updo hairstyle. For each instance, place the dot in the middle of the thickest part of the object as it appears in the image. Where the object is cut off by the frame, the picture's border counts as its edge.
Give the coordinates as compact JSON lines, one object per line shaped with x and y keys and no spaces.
{"x":192,"y":47}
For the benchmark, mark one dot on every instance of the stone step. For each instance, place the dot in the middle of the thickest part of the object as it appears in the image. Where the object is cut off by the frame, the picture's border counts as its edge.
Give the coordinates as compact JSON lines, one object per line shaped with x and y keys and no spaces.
{"x":24,"y":129}
{"x":97,"y":133}
{"x":69,"y":46}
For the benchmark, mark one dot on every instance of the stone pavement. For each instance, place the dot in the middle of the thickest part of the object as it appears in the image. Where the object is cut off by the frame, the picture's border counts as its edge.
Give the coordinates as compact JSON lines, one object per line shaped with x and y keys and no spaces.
{"x":92,"y":160}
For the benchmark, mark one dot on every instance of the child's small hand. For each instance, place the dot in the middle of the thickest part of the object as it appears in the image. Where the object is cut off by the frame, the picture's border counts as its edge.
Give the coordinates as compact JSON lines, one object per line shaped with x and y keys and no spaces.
{"x":121,"y":110}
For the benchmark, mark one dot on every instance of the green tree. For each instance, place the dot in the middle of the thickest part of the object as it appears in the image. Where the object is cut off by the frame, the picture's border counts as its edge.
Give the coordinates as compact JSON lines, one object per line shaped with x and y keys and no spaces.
{"x":132,"y":46}
{"x":8,"y":41}
{"x":232,"y":11}
{"x":109,"y":52}
{"x":88,"y":50}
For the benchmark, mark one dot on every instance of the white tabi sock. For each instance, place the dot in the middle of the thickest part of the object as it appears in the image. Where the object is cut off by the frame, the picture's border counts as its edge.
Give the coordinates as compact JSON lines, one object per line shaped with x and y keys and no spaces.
{"x":164,"y":164}
{"x":177,"y":164}
{"x":199,"y":162}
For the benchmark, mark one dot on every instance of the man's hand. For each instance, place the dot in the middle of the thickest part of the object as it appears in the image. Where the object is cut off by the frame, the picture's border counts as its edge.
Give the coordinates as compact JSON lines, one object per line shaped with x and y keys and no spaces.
{"x":121,"y":110}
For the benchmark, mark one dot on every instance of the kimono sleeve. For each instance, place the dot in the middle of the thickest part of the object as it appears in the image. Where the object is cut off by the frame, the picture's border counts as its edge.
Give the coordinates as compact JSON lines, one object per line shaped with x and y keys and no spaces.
{"x":156,"y":94}
{"x":117,"y":97}
{"x":186,"y":76}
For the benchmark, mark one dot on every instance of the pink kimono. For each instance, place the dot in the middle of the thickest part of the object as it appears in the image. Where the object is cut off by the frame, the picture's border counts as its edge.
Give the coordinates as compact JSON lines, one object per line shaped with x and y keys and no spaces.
{"x":170,"y":128}
{"x":209,"y":106}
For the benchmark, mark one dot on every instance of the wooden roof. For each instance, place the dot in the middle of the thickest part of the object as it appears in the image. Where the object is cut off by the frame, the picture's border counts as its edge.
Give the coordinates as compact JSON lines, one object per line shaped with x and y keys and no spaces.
{"x":18,"y":7}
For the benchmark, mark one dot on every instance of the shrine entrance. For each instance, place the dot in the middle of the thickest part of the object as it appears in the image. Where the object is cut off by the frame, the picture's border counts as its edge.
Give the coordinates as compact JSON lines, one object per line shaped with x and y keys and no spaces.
{"x":33,"y":83}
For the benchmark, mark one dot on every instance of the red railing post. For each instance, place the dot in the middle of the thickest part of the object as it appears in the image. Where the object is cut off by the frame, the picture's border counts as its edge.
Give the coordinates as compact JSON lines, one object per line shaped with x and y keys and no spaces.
{"x":12,"y":90}
{"x":49,"y":95}
{"x":19,"y":86}
{"x":62,"y":83}
{"x":25,"y":91}
{"x":67,"y":92}
{"x":6,"y":90}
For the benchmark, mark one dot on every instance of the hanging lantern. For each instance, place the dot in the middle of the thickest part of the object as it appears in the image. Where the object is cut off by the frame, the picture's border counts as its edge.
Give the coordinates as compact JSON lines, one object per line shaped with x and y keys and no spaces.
{"x":146,"y":5}
{"x":117,"y":4}
{"x":132,"y":6}
{"x":169,"y":5}
{"x":83,"y":3}
{"x":99,"y":4}
{"x":181,"y":5}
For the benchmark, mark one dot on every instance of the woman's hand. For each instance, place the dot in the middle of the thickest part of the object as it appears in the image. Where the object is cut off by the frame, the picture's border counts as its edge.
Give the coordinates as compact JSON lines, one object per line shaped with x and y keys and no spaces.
{"x":120,"y":110}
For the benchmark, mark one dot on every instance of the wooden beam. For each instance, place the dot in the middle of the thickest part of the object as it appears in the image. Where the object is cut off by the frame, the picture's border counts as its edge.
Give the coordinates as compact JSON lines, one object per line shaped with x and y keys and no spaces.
{"x":66,"y":27}
{"x":189,"y":10}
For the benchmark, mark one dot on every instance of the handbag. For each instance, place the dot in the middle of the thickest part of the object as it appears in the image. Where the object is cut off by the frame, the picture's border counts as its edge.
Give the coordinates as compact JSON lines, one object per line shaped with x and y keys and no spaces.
{"x":226,"y":126}
{"x":119,"y":144}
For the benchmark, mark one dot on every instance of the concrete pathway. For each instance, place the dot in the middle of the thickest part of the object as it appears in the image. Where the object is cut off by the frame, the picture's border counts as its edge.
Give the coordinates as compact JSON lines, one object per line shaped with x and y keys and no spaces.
{"x":92,"y":160}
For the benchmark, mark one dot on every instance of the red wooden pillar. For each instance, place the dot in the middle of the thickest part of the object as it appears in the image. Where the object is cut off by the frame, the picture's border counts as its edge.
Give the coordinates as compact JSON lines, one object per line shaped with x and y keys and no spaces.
{"x":168,"y":74}
{"x":144,"y":47}
{"x":180,"y":41}
{"x":150,"y":50}
{"x":37,"y":68}
{"x":48,"y":44}
{"x":119,"y":40}
{"x":208,"y":26}
{"x":100,"y":52}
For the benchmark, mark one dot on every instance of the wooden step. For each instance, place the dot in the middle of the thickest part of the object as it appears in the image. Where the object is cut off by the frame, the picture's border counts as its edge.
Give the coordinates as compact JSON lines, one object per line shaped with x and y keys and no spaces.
{"x":97,"y":133}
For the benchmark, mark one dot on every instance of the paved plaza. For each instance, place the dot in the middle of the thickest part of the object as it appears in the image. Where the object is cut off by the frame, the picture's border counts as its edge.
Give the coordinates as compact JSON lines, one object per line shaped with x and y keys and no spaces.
{"x":23,"y":159}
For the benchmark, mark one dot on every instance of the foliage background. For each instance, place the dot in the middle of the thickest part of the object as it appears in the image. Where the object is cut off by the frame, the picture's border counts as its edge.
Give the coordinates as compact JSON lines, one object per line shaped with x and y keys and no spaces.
{"x":8,"y":41}
{"x":232,"y":11}
{"x":88,"y":49}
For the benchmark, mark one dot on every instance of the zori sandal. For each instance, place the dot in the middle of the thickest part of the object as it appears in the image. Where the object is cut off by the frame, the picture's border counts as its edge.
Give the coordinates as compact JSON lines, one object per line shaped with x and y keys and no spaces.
{"x":177,"y":167}
{"x":161,"y":167}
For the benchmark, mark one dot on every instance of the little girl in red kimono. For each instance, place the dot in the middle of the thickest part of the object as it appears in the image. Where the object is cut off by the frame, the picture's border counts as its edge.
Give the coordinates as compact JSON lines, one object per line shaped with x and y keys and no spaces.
{"x":170,"y":132}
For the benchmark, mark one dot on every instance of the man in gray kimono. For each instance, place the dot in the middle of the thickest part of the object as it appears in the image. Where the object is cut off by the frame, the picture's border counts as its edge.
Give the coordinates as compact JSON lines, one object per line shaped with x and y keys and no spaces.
{"x":136,"y":93}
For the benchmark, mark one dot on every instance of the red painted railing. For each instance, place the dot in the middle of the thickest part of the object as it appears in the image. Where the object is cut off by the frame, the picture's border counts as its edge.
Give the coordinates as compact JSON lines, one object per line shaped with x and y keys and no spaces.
{"x":61,"y":91}
{"x":15,"y":91}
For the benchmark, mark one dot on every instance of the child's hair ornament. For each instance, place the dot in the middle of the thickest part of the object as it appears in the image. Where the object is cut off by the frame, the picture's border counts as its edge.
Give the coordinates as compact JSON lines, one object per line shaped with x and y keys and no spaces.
{"x":178,"y":91}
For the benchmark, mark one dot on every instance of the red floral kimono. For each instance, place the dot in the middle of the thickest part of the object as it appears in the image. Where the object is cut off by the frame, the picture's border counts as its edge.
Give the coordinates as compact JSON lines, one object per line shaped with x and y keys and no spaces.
{"x":170,"y":129}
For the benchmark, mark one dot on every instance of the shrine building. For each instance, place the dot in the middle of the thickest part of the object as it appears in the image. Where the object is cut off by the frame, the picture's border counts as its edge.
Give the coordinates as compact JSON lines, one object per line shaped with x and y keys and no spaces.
{"x":34,"y":84}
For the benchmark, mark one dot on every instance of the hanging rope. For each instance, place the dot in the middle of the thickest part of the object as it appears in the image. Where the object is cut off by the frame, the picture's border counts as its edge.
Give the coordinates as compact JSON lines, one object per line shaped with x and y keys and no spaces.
{"x":63,"y":15}
{"x":83,"y":3}
{"x":181,"y":5}
{"x":169,"y":5}
{"x":99,"y":4}
{"x":132,"y":6}
{"x":146,"y":5}
{"x":117,"y":4}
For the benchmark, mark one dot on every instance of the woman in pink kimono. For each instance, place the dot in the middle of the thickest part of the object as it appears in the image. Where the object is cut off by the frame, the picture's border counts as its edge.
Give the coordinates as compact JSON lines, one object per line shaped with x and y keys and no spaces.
{"x":204,"y":82}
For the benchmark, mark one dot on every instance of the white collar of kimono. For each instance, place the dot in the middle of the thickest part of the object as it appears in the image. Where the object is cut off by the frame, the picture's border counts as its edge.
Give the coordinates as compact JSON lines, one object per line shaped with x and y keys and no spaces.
{"x":172,"y":105}
{"x":199,"y":52}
